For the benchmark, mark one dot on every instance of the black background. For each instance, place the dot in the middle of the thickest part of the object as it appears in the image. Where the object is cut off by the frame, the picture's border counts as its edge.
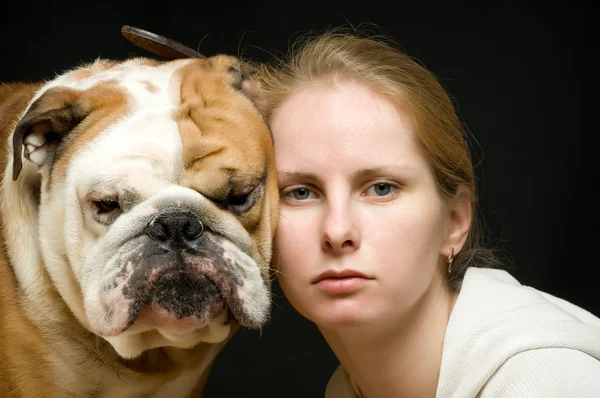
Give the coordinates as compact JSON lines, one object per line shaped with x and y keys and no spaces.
{"x":519,"y":72}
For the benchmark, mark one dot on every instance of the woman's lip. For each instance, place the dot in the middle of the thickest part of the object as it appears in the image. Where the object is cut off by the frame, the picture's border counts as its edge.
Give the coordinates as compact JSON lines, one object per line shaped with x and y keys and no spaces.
{"x":342,"y":274}
{"x":344,"y":285}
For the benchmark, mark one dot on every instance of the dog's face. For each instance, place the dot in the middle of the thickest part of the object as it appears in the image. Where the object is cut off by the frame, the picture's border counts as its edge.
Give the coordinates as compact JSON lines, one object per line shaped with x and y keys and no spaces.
{"x":158,"y":199}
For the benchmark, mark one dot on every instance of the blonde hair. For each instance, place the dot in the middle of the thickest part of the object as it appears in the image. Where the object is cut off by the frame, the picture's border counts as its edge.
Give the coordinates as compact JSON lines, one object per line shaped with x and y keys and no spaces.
{"x":343,"y":55}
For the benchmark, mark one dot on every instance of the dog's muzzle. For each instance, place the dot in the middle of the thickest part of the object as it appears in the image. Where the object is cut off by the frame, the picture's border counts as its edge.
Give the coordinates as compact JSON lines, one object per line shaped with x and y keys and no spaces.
{"x":166,"y":280}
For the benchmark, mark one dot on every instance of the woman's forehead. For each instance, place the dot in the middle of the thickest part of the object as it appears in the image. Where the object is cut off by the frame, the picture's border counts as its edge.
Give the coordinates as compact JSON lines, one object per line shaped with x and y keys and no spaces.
{"x":344,"y":125}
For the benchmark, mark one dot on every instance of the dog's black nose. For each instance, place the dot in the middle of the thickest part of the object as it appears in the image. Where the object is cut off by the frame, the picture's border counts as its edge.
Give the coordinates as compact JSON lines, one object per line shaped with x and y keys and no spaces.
{"x":175,"y":227}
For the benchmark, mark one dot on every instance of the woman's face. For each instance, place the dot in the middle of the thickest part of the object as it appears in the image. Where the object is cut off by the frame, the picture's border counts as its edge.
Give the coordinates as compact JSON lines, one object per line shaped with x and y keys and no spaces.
{"x":362,"y":231}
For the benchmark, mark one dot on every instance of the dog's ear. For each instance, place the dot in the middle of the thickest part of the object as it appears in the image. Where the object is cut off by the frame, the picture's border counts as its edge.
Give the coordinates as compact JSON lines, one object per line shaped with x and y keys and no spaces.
{"x":47,"y":121}
{"x":242,"y":79}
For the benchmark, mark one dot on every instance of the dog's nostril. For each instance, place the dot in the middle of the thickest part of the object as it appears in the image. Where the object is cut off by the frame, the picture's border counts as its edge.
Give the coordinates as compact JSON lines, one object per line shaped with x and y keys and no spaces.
{"x":157,"y":230}
{"x":176,"y":226}
{"x":193,"y":229}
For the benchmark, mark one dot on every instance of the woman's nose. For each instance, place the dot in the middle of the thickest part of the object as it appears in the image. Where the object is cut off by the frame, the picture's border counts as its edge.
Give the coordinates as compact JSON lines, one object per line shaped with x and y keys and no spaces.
{"x":340,"y":232}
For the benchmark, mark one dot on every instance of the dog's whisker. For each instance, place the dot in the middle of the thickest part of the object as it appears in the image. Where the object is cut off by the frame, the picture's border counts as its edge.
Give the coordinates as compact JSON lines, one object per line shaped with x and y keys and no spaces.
{"x":239,"y":54}
{"x":200,"y":42}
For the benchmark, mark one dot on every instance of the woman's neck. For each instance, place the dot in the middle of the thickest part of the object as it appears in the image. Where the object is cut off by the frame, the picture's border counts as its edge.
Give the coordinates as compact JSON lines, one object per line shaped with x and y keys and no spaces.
{"x":400,"y":356}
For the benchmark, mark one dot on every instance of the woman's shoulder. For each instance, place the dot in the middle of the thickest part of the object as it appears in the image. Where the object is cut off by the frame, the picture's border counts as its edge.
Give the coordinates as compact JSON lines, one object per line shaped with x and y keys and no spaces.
{"x":497,"y":321}
{"x":546,"y":372}
{"x":492,"y":294}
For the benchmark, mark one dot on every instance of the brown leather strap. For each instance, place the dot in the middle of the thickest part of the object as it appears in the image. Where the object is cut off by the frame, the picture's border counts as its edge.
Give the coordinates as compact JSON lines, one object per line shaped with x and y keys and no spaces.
{"x":158,"y":45}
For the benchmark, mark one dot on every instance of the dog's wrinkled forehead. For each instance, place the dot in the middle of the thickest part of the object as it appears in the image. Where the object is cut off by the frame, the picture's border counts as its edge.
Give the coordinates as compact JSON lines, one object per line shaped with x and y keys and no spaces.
{"x":171,"y":120}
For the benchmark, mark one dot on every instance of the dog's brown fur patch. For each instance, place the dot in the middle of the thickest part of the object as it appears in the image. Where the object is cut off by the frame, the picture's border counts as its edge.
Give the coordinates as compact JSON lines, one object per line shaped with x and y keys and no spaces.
{"x":209,"y":119}
{"x":105,"y":103}
{"x":26,"y":361}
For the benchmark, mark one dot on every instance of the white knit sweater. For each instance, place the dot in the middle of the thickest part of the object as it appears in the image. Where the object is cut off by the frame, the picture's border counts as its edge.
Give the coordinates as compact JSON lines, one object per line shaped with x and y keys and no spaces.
{"x":507,"y":340}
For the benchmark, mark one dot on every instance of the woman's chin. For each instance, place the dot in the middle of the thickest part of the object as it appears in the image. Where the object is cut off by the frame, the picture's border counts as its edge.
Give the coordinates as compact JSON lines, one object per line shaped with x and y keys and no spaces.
{"x":340,"y":315}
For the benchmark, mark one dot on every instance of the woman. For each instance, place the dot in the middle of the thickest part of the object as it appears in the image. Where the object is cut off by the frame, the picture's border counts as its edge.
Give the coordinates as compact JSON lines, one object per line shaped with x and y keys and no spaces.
{"x":377,"y":241}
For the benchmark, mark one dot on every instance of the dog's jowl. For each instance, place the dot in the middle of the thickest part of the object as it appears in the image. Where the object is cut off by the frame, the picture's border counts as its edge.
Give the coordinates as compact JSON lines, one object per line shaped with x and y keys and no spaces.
{"x":138,"y":203}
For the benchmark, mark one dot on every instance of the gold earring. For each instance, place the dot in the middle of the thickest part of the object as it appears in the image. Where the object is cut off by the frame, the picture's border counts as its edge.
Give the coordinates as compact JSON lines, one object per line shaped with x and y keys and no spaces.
{"x":450,"y":260}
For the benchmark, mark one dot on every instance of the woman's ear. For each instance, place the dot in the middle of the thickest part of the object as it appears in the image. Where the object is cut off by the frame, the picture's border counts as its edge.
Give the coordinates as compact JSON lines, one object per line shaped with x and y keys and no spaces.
{"x":460,"y":216}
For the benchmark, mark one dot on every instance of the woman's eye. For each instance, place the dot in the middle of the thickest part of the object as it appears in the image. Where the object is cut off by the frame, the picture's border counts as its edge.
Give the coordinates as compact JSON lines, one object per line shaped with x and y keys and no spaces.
{"x":300,"y":194}
{"x":381,"y":189}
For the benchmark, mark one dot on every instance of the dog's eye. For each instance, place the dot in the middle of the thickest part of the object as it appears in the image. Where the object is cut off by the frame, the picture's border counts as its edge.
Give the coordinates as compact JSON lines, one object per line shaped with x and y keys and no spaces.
{"x":106,"y":206}
{"x":239,"y":204}
{"x":239,"y":200}
{"x":106,"y":210}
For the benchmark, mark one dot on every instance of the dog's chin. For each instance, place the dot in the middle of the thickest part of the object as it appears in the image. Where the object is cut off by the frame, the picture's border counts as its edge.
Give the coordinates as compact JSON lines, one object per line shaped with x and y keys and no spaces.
{"x":156,"y":328}
{"x":172,"y":324}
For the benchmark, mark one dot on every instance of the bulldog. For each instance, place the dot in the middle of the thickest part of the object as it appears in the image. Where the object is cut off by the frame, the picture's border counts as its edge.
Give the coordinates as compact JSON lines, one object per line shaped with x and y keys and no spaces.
{"x":138,"y":203}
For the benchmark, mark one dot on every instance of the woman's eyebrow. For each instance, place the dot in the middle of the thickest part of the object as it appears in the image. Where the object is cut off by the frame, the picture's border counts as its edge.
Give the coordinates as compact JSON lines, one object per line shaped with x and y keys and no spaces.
{"x":298,"y":175}
{"x":358,"y":174}
{"x":362,"y":173}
